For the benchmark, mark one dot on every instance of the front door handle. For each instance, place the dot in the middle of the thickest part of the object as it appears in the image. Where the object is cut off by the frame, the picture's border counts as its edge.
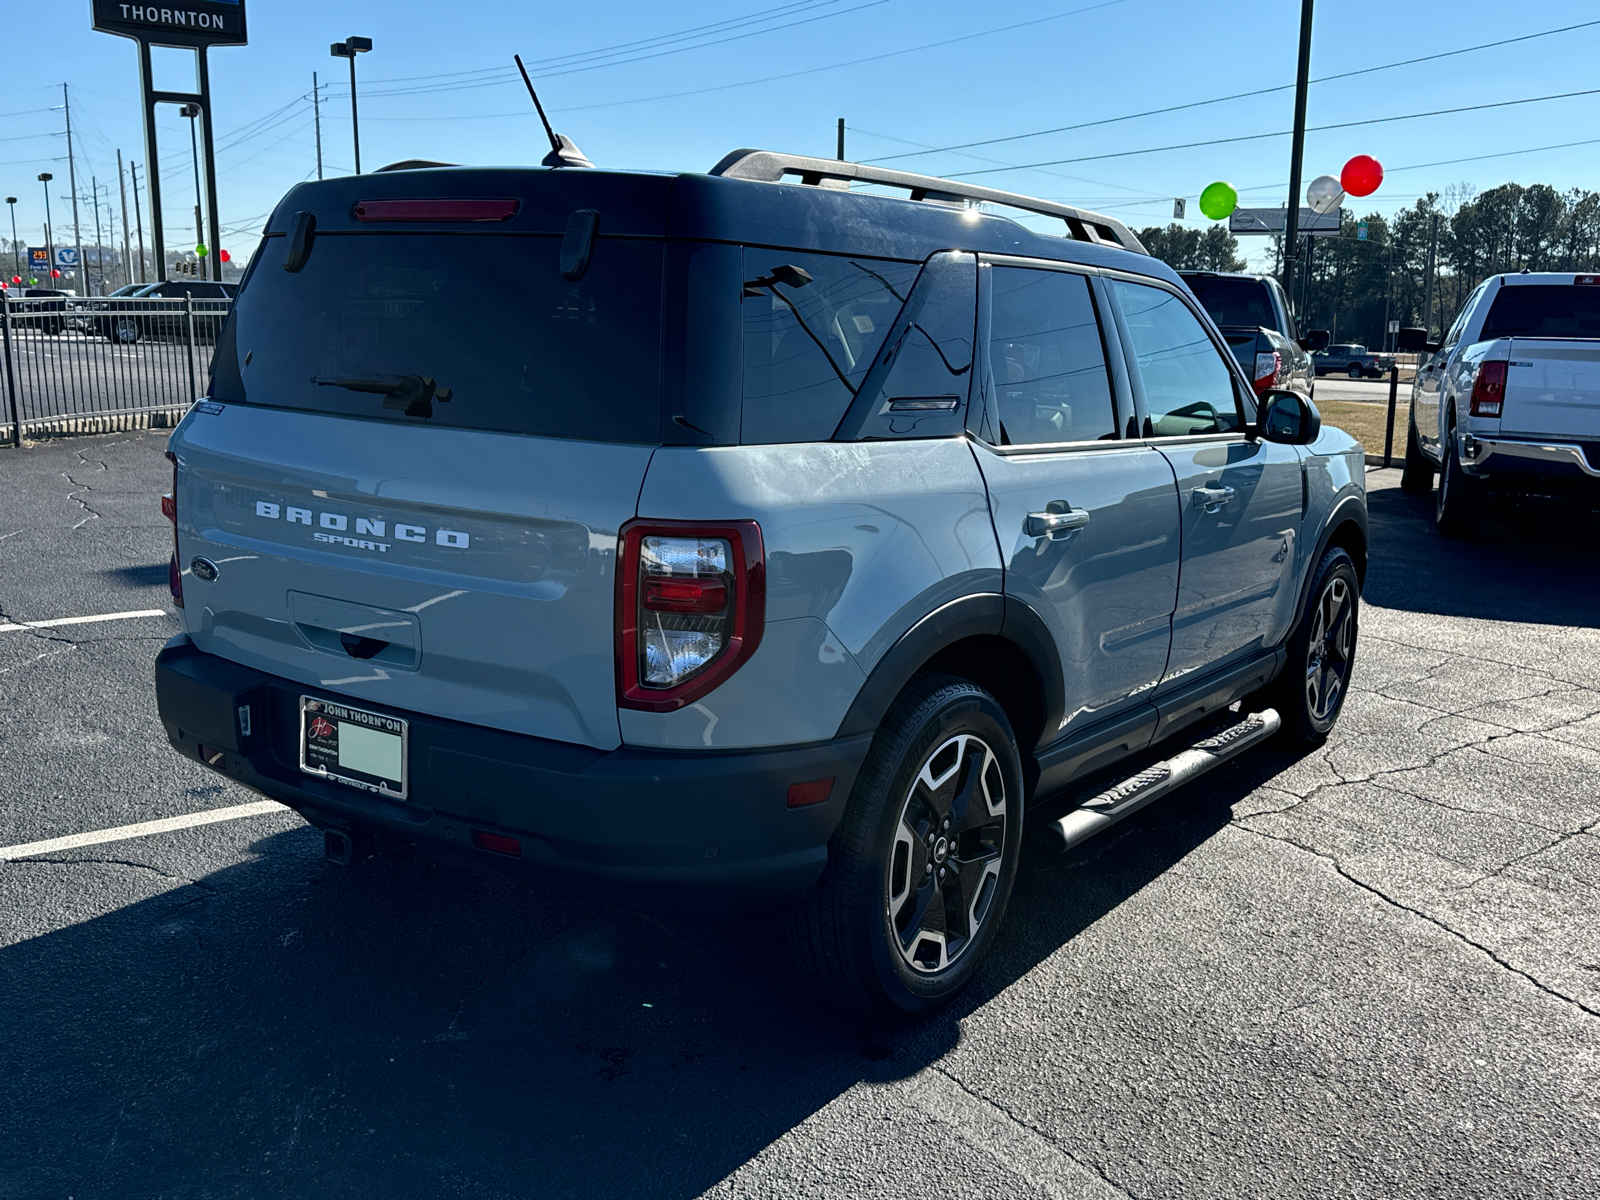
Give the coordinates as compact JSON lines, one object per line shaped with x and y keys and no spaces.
{"x":1055,"y":524}
{"x":1211,"y":498}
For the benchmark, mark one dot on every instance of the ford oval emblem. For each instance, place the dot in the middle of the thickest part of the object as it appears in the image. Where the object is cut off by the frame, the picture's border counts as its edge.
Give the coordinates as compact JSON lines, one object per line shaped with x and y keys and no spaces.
{"x":204,"y":569}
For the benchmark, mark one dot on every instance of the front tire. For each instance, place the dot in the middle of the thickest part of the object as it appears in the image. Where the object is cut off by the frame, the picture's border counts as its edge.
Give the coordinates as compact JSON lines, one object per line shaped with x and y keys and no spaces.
{"x":1355,"y":371}
{"x":125,"y":330}
{"x":1458,"y":508}
{"x":1417,"y":478}
{"x":1310,"y":693}
{"x":922,"y":865}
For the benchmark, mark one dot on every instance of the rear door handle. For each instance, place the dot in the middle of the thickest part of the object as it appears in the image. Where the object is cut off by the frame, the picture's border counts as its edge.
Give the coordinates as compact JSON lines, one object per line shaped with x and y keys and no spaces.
{"x":1055,"y":524}
{"x":1211,"y":498}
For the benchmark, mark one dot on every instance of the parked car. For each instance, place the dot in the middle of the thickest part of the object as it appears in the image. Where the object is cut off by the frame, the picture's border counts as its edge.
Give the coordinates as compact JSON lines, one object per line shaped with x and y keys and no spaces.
{"x":778,"y":544}
{"x":44,"y":309}
{"x":1253,"y":314}
{"x":1508,"y":402}
{"x":151,"y":310}
{"x":1353,"y":360}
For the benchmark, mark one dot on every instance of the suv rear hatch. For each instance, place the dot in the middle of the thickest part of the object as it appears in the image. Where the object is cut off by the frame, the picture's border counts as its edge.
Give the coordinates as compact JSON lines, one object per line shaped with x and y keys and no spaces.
{"x":425,"y":441}
{"x":1553,"y":374}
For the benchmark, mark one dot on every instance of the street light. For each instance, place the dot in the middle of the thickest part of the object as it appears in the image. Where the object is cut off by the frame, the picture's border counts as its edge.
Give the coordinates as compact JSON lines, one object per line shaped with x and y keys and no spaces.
{"x":16,"y":254}
{"x":49,"y":236}
{"x":192,"y":111}
{"x":349,"y":48}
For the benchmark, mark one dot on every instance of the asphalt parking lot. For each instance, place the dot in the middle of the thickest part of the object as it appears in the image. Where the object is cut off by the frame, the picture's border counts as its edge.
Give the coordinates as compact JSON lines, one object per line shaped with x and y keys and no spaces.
{"x":1372,"y":971}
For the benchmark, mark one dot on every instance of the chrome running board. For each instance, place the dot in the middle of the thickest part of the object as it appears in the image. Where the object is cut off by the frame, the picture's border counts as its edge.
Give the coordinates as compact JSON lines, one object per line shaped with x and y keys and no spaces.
{"x":1133,"y":793}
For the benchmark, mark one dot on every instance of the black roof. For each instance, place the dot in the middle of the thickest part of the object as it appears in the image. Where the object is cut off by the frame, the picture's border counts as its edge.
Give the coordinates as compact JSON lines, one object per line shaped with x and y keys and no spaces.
{"x":705,"y":208}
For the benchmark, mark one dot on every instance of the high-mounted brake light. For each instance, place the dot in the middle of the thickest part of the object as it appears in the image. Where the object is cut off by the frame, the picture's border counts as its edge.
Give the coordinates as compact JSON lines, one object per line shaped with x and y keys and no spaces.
{"x":436,"y":210}
{"x":169,"y":510}
{"x":1269,"y":368}
{"x":1488,"y":389}
{"x":691,"y":608}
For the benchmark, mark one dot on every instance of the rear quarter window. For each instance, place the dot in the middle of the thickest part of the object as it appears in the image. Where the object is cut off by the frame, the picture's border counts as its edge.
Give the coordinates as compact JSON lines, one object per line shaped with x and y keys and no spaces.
{"x":812,"y":325}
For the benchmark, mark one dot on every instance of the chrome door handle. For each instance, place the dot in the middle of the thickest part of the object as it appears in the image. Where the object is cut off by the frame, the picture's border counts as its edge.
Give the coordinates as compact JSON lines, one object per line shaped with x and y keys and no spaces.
{"x":1211,"y":498}
{"x":1055,"y":524}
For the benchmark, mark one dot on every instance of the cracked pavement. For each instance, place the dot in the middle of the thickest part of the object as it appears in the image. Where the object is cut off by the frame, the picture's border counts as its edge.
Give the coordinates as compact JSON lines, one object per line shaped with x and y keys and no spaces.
{"x":1369,"y":971}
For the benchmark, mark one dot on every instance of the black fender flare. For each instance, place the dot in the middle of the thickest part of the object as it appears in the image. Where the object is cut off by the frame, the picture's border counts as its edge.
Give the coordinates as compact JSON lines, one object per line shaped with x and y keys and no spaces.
{"x":1350,"y":510}
{"x":986,"y":613}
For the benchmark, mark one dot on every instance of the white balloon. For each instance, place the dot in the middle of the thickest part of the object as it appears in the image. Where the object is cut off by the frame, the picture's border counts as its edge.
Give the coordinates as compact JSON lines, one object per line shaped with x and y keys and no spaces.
{"x":1324,"y":194}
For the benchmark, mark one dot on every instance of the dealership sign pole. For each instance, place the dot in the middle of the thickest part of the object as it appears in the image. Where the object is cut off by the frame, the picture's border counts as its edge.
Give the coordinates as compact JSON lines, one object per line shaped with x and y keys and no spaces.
{"x":187,"y":24}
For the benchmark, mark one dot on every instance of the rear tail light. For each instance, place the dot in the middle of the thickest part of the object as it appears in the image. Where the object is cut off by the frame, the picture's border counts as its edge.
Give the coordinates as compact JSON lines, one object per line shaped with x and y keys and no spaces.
{"x":169,"y":510}
{"x":1269,"y":370}
{"x":1488,"y":389}
{"x":691,"y":608}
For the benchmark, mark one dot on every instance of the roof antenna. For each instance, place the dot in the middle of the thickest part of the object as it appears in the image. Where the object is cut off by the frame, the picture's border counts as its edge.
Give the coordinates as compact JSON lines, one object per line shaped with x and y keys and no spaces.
{"x":562,"y":151}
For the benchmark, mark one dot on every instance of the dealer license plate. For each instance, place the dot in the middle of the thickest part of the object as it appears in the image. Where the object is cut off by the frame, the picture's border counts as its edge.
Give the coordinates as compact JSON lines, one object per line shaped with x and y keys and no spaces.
{"x":353,"y":746}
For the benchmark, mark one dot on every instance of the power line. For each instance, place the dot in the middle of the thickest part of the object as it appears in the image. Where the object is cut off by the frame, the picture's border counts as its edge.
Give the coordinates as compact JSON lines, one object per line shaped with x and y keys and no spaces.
{"x":1153,"y":112}
{"x":1253,"y":137}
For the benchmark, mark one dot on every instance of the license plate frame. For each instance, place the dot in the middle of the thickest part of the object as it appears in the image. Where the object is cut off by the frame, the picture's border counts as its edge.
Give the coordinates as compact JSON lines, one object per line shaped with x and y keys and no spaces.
{"x":367,"y":764}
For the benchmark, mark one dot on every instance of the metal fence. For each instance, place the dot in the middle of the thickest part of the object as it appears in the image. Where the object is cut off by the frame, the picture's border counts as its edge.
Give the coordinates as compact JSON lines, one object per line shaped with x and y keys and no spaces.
{"x":100,"y":365}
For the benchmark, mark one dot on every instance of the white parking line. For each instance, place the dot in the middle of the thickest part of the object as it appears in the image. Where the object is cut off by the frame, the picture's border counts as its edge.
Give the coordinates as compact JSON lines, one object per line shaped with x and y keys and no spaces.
{"x":7,"y":627}
{"x":122,"y":833}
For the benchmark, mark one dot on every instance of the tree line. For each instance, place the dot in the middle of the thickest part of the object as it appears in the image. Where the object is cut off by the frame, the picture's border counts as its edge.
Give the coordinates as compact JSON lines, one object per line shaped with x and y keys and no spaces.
{"x":1353,"y":286}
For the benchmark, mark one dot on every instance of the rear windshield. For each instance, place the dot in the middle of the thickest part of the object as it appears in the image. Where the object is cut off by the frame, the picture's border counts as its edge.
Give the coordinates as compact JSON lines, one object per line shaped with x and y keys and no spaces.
{"x":1544,"y":311}
{"x":1234,"y":301}
{"x":488,"y":317}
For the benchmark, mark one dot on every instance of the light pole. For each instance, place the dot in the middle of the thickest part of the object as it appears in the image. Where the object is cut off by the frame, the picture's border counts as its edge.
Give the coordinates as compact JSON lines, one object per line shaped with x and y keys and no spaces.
{"x":349,"y":48}
{"x":192,"y":111}
{"x":49,"y":239}
{"x":16,"y":252}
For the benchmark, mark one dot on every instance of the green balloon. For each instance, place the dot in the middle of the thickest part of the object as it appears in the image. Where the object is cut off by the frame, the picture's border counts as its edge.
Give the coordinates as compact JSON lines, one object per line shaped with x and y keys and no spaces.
{"x":1218,"y":200}
{"x":201,"y":250}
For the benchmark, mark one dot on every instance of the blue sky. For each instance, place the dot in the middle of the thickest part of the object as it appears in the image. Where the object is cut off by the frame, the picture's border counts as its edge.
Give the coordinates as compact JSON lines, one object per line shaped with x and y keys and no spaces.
{"x":439,"y":84}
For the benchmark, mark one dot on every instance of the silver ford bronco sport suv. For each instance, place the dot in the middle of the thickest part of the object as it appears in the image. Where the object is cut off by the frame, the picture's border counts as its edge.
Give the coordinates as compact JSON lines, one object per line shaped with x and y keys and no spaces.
{"x":745,"y":534}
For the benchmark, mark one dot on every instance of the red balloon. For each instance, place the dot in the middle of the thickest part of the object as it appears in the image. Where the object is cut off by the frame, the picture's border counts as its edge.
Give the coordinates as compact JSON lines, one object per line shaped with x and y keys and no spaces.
{"x":1361,"y":175}
{"x":54,"y":274}
{"x":226,"y":257}
{"x":16,"y":279}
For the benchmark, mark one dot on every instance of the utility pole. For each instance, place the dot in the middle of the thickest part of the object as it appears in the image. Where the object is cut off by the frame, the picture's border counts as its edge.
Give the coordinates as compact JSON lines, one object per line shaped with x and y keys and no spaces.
{"x":72,"y":183}
{"x":138,"y":221}
{"x":192,"y":111}
{"x":99,"y":242}
{"x":127,"y":251}
{"x":1291,"y":241}
{"x":316,"y":117}
{"x":1433,"y":250}
{"x":841,"y":139}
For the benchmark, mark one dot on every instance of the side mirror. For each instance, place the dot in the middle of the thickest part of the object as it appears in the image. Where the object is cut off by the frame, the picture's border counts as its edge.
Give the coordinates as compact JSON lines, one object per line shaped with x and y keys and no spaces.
{"x":1415,"y":341}
{"x":1289,"y":418}
{"x":1314,"y":340}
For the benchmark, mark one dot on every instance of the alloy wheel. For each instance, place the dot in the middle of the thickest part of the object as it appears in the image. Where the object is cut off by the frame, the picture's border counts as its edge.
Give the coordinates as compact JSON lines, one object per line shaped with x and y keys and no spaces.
{"x":1328,"y":653}
{"x":943,"y":872}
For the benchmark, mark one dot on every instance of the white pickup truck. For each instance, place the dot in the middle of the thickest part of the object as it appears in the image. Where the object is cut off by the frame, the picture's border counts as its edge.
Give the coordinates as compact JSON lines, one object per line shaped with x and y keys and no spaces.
{"x":1509,"y":401}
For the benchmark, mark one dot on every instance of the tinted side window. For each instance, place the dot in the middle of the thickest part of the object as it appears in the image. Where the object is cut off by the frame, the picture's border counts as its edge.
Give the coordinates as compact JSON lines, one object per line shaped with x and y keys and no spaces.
{"x":812,"y":325}
{"x":918,"y":387}
{"x":1047,"y":363}
{"x":1188,"y":388}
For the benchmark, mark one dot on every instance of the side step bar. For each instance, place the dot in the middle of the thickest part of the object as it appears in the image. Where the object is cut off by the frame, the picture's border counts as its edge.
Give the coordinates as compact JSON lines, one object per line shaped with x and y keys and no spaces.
{"x":1133,"y":793}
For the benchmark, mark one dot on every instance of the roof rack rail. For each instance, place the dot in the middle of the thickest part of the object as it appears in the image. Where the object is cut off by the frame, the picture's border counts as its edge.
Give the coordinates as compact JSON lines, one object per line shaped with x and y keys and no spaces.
{"x":768,"y":166}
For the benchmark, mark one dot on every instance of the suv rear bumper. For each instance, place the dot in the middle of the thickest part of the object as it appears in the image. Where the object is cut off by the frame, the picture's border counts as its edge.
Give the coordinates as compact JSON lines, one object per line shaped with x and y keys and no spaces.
{"x":701,"y":821}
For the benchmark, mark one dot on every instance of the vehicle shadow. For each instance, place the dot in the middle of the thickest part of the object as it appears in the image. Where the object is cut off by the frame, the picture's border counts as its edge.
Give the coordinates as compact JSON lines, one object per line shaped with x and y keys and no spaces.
{"x":1534,"y":562}
{"x":286,"y":1027}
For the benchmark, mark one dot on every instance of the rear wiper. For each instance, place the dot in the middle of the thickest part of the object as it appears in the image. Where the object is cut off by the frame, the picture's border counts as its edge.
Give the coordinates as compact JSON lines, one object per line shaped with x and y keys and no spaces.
{"x":412,"y":393}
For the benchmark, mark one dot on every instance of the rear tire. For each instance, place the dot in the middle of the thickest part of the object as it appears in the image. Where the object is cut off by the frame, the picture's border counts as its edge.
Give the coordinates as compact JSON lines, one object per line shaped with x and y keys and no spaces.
{"x":1458,"y":506}
{"x":1417,"y":478}
{"x":125,"y":330}
{"x":922,"y":864}
{"x":1309,"y":695}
